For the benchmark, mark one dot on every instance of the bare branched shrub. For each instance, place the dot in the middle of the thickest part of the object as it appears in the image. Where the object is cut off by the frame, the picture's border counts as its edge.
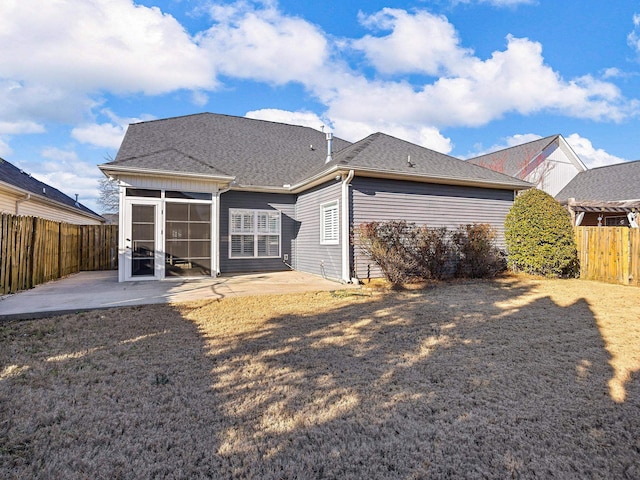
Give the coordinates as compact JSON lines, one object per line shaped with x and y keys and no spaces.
{"x":478,"y":257}
{"x":435,"y":253}
{"x":403,"y":251}
{"x":389,"y":244}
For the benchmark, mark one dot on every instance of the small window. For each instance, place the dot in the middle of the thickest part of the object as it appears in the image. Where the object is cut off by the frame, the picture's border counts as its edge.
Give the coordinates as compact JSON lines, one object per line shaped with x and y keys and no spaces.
{"x":329,"y":223}
{"x":254,"y":233}
{"x":616,"y":221}
{"x":141,"y":192}
{"x":188,"y":195}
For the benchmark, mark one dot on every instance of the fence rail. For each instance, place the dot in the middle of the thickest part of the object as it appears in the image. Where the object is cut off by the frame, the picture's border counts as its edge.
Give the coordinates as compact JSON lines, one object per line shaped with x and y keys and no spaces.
{"x":609,"y":254}
{"x":34,"y":250}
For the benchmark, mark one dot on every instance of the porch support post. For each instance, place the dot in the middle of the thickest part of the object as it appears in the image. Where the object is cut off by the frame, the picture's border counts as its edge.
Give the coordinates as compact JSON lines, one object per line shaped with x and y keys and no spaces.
{"x":122,"y":221}
{"x":215,"y":234}
{"x":346,"y":208}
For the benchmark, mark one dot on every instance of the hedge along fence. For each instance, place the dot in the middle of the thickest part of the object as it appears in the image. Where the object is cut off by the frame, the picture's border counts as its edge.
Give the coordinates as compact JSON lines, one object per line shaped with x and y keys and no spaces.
{"x":609,"y":254}
{"x":34,"y":250}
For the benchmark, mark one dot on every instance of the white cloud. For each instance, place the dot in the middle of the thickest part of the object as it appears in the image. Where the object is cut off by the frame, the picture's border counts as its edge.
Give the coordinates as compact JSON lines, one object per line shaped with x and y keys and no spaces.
{"x":470,"y":91}
{"x":592,"y":157}
{"x":100,"y":135}
{"x":57,"y":154}
{"x":263,"y":44}
{"x":498,"y":3}
{"x":108,"y":134}
{"x":88,"y":46}
{"x":62,"y":169}
{"x":633,"y":39}
{"x":20,"y":127}
{"x":5,"y":149}
{"x":421,"y":42}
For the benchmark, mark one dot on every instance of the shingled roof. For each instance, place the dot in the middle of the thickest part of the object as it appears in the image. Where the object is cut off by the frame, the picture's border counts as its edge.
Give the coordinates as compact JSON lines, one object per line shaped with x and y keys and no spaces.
{"x":617,"y":182}
{"x":260,"y":153}
{"x":13,"y":177}
{"x":514,"y":161}
{"x":383,"y":153}
{"x":255,"y":152}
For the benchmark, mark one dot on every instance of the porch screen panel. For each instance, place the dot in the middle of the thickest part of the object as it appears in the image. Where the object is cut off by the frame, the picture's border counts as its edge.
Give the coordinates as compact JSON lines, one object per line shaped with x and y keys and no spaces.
{"x":143,"y":240}
{"x":188,"y":239}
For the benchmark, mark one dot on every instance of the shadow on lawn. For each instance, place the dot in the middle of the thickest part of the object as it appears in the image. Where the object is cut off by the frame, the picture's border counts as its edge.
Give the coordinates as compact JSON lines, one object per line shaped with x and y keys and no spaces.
{"x":437,"y":383}
{"x":440,"y":383}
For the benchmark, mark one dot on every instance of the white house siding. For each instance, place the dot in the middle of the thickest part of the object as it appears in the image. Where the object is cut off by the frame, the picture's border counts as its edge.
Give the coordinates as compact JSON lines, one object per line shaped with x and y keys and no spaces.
{"x":36,"y":208}
{"x":555,"y":172}
{"x":258,"y":201}
{"x":166,"y":183}
{"x":311,"y":257}
{"x":425,"y":204}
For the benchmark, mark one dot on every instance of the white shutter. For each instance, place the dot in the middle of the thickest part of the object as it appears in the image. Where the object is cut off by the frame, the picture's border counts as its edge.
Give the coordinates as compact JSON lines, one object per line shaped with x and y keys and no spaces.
{"x":329,"y":224}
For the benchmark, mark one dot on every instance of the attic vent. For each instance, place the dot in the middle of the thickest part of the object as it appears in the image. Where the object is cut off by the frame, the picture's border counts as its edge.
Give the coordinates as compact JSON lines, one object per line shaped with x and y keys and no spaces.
{"x":44,"y":190}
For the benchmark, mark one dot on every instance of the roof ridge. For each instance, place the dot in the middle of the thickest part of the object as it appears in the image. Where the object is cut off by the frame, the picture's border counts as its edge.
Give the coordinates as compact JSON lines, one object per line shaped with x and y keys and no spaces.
{"x":517,"y":146}
{"x":624,"y":162}
{"x":195,"y":159}
{"x":212,"y":114}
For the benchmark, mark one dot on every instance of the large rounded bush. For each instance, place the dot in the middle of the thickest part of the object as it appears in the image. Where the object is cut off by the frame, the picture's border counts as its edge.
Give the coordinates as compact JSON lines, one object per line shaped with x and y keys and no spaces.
{"x":539,"y":236}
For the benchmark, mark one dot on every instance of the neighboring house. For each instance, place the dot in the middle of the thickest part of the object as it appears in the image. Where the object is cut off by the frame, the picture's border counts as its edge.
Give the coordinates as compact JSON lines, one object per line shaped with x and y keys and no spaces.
{"x":606,"y":196}
{"x":21,"y":194}
{"x":207,"y":194}
{"x":549,"y":163}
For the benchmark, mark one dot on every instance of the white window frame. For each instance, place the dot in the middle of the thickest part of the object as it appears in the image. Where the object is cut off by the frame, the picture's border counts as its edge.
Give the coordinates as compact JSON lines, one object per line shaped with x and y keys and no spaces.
{"x":330,"y":233}
{"x":252,"y":226}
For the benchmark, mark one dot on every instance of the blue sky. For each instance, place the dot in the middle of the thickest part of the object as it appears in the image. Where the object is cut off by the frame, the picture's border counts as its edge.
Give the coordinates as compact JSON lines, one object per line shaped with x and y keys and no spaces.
{"x":462,"y":77}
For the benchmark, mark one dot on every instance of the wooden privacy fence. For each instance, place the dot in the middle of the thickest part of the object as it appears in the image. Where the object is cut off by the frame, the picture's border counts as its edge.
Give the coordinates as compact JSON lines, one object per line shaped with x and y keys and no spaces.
{"x":34,"y":250}
{"x":609,"y":254}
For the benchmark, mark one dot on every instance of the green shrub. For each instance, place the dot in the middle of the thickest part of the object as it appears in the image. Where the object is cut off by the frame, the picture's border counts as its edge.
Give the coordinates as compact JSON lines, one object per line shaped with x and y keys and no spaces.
{"x":539,"y":236}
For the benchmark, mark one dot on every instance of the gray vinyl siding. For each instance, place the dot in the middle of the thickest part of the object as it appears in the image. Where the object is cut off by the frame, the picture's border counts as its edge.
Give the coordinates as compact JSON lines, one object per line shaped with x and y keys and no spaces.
{"x":257,"y":201}
{"x":425,"y":204}
{"x":311,"y":257}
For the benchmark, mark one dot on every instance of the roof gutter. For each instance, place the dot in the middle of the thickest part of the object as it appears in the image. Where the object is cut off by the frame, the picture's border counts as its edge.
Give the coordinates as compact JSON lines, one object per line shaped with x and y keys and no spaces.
{"x":110,"y":169}
{"x":379,"y":173}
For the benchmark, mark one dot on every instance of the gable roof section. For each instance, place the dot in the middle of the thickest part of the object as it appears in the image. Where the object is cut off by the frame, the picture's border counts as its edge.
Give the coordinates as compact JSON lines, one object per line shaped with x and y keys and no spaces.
{"x":518,"y":161}
{"x":383,"y":155}
{"x":17,"y":179}
{"x":604,"y":184}
{"x":255,"y":152}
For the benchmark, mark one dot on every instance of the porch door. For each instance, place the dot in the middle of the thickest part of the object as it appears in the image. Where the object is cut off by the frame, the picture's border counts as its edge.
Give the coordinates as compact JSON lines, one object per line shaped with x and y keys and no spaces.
{"x":143,"y":246}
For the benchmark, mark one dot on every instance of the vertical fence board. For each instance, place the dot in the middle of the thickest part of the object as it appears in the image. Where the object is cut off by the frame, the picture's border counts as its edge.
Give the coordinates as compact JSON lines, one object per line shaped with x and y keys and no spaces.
{"x":609,"y":254}
{"x":34,"y":250}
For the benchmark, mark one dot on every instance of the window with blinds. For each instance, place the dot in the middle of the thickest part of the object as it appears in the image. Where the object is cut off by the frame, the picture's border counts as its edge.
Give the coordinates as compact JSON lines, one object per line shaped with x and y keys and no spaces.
{"x":254,"y":233}
{"x":329,"y":223}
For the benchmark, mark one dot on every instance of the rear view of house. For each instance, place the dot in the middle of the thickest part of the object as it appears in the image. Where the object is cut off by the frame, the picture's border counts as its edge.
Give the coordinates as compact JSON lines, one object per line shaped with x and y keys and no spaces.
{"x":208,"y":194}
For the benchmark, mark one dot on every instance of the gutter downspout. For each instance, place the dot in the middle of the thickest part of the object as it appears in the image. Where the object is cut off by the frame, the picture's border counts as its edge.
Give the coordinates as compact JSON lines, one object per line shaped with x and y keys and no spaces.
{"x":27,"y":197}
{"x":346,"y":208}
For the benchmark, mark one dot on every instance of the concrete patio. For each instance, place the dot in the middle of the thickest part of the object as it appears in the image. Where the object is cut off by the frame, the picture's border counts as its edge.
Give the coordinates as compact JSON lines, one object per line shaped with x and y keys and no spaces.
{"x":95,"y":290}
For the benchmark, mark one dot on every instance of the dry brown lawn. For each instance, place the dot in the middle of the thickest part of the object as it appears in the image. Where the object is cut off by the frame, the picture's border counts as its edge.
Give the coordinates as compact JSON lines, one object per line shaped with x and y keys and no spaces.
{"x":513,"y":378}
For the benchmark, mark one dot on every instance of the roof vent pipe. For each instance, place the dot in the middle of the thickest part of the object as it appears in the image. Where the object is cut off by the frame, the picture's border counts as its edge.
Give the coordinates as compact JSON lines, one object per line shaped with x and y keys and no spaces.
{"x":329,"y":143}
